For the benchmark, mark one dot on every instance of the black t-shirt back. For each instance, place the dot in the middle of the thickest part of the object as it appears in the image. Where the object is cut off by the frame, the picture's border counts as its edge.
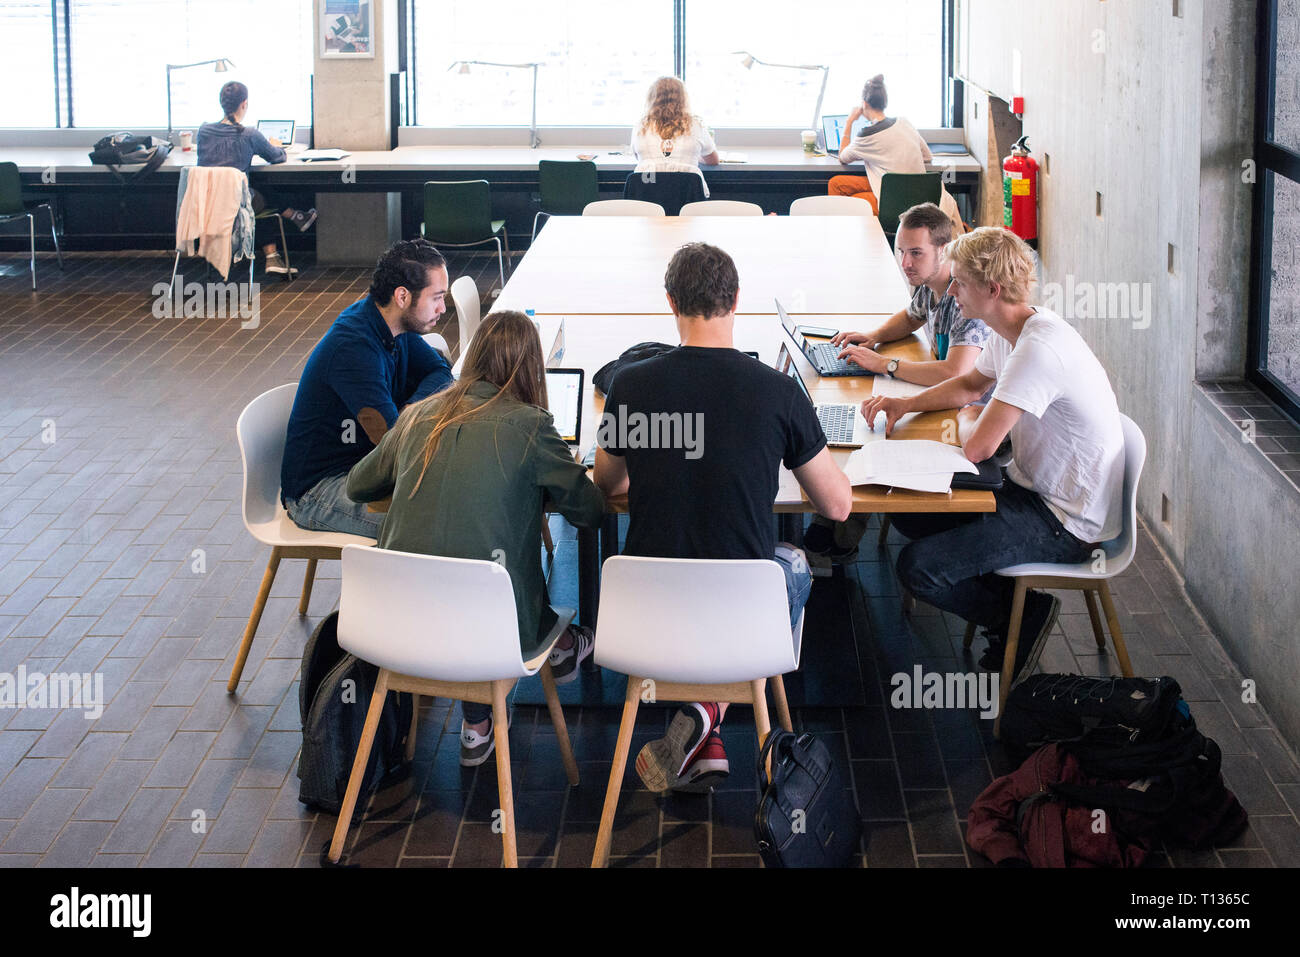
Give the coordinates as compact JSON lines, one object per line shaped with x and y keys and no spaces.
{"x":704,"y":432}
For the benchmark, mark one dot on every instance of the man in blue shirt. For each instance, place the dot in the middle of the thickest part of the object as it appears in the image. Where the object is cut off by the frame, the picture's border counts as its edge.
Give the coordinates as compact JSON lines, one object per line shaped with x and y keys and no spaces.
{"x":370,"y":364}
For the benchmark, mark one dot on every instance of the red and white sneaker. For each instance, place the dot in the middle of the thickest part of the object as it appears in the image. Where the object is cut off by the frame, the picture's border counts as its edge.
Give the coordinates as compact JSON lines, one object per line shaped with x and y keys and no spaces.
{"x":707,"y":770}
{"x":663,"y":761}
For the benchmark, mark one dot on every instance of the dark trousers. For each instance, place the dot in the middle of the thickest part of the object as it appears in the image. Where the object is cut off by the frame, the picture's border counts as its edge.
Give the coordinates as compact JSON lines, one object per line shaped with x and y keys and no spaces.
{"x":267,"y":231}
{"x":951,"y":559}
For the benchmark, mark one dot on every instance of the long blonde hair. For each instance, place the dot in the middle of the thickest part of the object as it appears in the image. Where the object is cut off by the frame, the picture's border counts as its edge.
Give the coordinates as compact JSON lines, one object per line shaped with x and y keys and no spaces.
{"x":667,"y":109}
{"x":507,"y":352}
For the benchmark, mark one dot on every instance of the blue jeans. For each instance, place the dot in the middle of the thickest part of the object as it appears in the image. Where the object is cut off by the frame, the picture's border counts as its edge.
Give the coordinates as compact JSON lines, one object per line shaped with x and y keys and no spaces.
{"x":325,"y":507}
{"x":798,"y":583}
{"x":951,"y":559}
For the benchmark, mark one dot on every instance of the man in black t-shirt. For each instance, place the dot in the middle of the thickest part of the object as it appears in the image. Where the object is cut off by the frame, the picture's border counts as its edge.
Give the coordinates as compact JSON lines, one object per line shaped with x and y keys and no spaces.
{"x":696,"y":438}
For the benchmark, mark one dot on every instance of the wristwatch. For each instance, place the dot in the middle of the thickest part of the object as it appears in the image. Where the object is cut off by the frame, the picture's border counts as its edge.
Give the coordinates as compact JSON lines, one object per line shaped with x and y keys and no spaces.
{"x":891,"y":368}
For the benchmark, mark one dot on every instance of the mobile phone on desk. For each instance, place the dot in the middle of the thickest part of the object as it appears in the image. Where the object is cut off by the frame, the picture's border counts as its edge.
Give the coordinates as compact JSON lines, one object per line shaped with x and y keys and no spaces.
{"x":821,"y":332}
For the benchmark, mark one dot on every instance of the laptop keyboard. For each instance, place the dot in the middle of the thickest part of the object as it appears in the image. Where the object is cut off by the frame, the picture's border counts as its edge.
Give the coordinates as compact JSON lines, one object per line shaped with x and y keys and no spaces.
{"x":837,"y":422}
{"x":827,"y":359}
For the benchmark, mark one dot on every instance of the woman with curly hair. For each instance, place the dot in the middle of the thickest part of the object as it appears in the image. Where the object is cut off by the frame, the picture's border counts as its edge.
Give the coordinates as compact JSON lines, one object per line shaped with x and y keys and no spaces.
{"x":669,"y":138}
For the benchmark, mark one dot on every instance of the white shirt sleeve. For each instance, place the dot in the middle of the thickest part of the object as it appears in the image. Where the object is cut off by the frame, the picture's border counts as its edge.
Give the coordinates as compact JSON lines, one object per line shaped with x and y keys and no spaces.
{"x":701,"y":132}
{"x":1031,"y":377}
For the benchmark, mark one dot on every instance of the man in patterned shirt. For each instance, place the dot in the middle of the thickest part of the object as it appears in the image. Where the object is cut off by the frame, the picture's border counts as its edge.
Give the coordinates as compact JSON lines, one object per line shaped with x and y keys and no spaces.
{"x":955,"y":344}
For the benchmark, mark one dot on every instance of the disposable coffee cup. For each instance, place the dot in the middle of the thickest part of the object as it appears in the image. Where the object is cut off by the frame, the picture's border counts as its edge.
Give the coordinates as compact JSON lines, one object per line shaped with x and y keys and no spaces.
{"x":187,"y":139}
{"x":809,"y":141}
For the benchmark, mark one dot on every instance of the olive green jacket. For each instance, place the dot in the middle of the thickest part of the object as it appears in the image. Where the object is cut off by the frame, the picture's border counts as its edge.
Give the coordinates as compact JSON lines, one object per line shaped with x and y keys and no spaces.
{"x":482,"y":495}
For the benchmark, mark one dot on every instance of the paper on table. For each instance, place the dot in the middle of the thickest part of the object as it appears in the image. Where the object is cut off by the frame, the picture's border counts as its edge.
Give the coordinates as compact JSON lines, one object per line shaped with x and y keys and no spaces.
{"x":895,"y":388}
{"x":787,"y":488}
{"x":919,"y":464}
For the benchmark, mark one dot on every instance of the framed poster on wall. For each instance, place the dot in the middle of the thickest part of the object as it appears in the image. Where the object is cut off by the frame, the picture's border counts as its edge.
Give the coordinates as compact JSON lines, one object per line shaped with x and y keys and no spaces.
{"x":347,"y":29}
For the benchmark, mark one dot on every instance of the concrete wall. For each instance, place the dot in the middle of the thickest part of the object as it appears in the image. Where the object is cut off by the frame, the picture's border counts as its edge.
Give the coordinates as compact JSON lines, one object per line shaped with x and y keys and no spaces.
{"x":1155,"y":111}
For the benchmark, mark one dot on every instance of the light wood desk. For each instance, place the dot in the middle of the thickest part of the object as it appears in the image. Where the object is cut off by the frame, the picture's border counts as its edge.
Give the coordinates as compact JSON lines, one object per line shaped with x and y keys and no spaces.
{"x":602,"y":265}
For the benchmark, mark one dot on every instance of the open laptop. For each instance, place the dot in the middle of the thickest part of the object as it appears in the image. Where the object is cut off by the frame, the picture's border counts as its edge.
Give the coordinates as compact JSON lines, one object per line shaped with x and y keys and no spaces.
{"x":564,"y":397}
{"x":281,"y":130}
{"x":833,"y":130}
{"x":823,"y":356}
{"x":556,"y":355}
{"x":843,"y":423}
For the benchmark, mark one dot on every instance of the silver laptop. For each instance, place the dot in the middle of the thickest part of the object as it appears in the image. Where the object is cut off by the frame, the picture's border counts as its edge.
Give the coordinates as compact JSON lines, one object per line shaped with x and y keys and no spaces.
{"x":832,"y":130}
{"x":823,"y":356}
{"x":843,"y":423}
{"x":281,"y":130}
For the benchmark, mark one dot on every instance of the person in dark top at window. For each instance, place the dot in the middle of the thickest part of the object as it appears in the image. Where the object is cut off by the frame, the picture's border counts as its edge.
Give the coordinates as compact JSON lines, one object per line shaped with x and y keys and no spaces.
{"x":370,"y":364}
{"x":468,"y":471}
{"x":710,"y":496}
{"x":229,"y":143}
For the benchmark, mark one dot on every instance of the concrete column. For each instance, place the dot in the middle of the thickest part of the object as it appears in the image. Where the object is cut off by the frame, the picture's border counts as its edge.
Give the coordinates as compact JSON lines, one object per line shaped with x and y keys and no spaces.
{"x":351,"y":113}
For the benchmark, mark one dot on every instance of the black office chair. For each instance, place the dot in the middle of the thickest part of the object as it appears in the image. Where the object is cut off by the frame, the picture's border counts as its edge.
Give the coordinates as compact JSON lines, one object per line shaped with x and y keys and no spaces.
{"x":672,"y":191}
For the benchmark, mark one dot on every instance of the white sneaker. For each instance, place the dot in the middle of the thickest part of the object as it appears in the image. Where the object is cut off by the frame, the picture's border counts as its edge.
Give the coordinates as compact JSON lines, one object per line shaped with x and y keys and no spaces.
{"x":276,"y":265}
{"x":476,"y":748}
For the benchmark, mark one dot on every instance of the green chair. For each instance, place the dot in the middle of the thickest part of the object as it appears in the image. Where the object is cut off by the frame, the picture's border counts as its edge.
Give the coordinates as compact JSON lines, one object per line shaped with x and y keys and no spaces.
{"x":899,"y":192}
{"x":12,"y":207}
{"x":459,"y":214}
{"x":567,"y":186}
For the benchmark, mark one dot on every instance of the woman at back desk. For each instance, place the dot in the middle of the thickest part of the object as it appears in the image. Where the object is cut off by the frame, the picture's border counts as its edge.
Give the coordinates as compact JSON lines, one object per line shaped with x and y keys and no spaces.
{"x":669,"y":138}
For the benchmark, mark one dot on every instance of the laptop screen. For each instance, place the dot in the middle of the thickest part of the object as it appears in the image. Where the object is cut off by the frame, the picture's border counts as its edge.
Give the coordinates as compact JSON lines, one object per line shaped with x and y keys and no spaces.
{"x":281,"y":130}
{"x":785,"y":365}
{"x":833,"y":129}
{"x":564,"y":395}
{"x":791,"y":329}
{"x":556,"y":355}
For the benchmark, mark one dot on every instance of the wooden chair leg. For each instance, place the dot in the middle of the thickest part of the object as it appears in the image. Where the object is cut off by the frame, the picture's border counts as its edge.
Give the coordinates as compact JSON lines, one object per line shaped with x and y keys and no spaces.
{"x":308,"y":580}
{"x":561,"y":729}
{"x":969,"y":636}
{"x":415,"y":724}
{"x":1097,"y":633}
{"x":605,"y":833}
{"x":505,"y":791}
{"x":762,"y":721}
{"x":1009,"y":656}
{"x":359,"y":763}
{"x":254,"y":619}
{"x":782,"y":705}
{"x":884,"y":531}
{"x":1116,"y":635}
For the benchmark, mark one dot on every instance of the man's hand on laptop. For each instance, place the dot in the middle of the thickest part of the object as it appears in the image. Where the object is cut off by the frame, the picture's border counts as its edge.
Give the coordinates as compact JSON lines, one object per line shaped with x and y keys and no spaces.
{"x":865,"y":357}
{"x":868,"y":339}
{"x":894,"y":410}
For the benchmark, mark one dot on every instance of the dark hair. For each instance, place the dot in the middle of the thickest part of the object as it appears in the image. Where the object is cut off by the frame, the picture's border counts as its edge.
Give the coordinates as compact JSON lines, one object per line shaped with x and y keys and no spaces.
{"x":931,"y":217}
{"x":505,"y":351}
{"x":232,"y":95}
{"x":404,"y":264}
{"x":874,"y":95}
{"x":702,"y":281}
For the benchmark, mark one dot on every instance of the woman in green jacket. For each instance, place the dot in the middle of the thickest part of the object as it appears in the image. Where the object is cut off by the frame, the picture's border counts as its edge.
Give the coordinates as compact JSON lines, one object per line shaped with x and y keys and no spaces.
{"x":469,"y":470}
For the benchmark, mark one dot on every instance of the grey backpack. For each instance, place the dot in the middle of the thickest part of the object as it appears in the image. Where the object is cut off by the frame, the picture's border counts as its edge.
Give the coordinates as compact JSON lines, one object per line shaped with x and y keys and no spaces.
{"x":333,"y":699}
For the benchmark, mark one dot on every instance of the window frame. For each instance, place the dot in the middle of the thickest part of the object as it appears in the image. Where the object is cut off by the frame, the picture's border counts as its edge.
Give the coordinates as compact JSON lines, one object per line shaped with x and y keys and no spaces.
{"x":1272,"y":160}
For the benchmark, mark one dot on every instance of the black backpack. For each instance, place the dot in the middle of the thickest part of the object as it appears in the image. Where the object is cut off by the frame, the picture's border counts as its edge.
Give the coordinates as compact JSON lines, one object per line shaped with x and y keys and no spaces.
{"x":333,"y":713}
{"x":127,"y":149}
{"x":604,"y":376}
{"x":1137,"y":730}
{"x":806,"y":816}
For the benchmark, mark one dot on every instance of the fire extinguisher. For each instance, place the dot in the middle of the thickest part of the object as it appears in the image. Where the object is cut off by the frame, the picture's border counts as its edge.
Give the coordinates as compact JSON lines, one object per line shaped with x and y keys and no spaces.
{"x":1020,"y":193}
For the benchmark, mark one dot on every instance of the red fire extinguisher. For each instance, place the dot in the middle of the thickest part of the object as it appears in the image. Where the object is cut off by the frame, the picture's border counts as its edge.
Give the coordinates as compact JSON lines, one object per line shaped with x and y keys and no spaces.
{"x":1020,"y":192}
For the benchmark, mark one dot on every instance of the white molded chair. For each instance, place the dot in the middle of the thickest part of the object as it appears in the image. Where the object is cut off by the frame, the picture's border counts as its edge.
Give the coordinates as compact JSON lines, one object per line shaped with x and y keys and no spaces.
{"x":721,"y":207}
{"x":1081,"y":577}
{"x":831,"y":206}
{"x":623,"y":207}
{"x":678,"y":629}
{"x":443,"y":627}
{"x":261,"y":433}
{"x":465,"y":295}
{"x":436,"y":340}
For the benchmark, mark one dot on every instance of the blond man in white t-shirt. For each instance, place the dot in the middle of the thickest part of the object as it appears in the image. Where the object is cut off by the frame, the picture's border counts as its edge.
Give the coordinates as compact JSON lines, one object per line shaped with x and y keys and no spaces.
{"x":1063,"y":493}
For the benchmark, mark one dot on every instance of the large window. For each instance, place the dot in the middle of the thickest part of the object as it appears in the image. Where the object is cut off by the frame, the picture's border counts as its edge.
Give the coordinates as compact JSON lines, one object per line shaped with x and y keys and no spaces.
{"x":119,"y":51}
{"x":599,"y":58}
{"x":1274,"y":346}
{"x":904,"y":41}
{"x":595,"y":68}
{"x":27,"y":66}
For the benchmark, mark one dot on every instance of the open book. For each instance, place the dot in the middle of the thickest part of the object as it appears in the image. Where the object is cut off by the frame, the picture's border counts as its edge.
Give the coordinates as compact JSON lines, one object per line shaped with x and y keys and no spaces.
{"x":919,"y":464}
